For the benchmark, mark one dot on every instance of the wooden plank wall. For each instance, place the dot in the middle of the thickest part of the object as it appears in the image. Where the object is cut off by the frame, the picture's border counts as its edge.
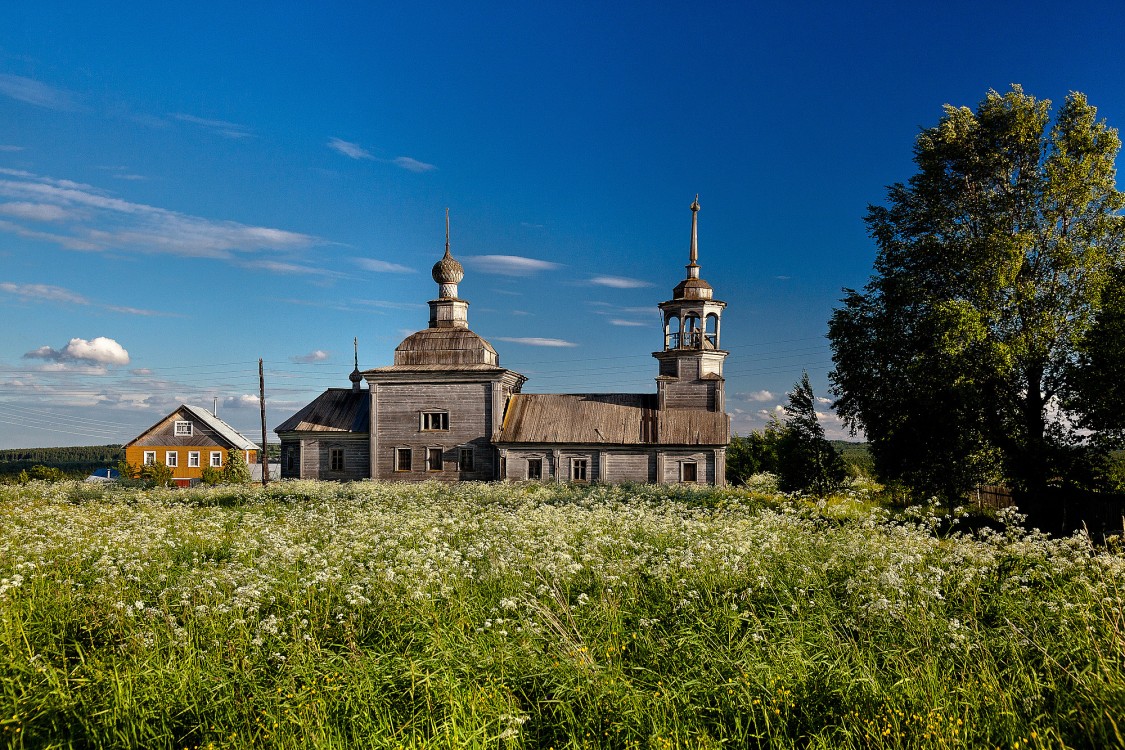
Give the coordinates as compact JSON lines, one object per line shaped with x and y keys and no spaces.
{"x":704,"y":461}
{"x":470,"y":411}
{"x":630,"y":467}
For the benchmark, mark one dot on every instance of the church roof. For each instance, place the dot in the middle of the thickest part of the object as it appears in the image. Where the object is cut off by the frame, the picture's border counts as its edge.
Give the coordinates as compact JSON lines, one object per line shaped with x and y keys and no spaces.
{"x":608,"y":419}
{"x":335,"y":410}
{"x":450,"y":347}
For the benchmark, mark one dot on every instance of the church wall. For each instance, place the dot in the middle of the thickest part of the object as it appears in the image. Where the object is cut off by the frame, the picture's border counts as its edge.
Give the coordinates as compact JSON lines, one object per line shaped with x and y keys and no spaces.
{"x":704,"y":462}
{"x":630,"y":467}
{"x":697,"y":394}
{"x":399,"y":425}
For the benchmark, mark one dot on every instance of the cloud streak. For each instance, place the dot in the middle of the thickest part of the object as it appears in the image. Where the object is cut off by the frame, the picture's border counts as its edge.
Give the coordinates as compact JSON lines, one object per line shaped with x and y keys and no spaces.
{"x":49,"y":293}
{"x":220,"y":127}
{"x":533,"y":341}
{"x":91,"y":219}
{"x":619,"y":282}
{"x":31,"y":91}
{"x":382,"y":266}
{"x":510,"y":265}
{"x":318,"y":355}
{"x":349,"y":149}
{"x":412,"y":165}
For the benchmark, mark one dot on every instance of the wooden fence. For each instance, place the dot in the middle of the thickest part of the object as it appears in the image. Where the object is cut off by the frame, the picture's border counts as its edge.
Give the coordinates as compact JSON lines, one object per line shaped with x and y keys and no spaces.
{"x":993,"y":496}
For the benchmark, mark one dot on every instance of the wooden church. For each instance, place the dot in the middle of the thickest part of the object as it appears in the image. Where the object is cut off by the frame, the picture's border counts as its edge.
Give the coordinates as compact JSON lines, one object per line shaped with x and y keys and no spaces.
{"x":447,"y":410}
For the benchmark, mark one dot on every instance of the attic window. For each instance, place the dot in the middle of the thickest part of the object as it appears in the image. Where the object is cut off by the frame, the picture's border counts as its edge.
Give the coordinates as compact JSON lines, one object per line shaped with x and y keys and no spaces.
{"x":183,"y":429}
{"x":435,"y":420}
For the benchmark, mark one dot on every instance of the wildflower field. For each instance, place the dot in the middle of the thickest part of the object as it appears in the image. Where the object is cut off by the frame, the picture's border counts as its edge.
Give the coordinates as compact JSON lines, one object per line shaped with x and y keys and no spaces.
{"x":315,"y":615}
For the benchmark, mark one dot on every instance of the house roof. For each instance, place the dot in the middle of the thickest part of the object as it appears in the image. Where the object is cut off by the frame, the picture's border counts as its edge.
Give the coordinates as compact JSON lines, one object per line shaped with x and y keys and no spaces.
{"x":335,"y":410}
{"x":608,"y":419}
{"x":227,"y":434}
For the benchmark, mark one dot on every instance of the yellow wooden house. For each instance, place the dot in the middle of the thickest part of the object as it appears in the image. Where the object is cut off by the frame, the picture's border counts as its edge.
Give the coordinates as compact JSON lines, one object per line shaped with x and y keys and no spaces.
{"x":188,"y":440}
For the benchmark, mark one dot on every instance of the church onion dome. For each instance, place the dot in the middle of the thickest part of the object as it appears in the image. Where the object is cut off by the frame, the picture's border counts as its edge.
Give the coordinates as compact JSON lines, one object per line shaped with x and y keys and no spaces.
{"x":692,"y":289}
{"x":448,"y":270}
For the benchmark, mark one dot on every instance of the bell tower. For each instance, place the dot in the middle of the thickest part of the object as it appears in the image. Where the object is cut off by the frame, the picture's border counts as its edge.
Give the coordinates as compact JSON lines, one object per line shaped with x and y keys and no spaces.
{"x":691,"y":363}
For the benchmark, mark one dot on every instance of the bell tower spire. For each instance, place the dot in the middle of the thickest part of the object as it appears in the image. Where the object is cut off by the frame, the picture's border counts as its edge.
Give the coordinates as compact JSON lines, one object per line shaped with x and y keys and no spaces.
{"x":691,"y":364}
{"x":355,"y":377}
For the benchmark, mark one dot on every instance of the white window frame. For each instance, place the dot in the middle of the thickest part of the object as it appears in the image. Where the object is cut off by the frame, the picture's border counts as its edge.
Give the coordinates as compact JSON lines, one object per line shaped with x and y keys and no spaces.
{"x":171,"y":458}
{"x":216,"y":460}
{"x":430,"y":455}
{"x":409,"y":453}
{"x":538,"y":459}
{"x":433,"y":421}
{"x":183,"y":428}
{"x":462,"y":452}
{"x":333,"y":453}
{"x":193,"y":459}
{"x":150,"y":458}
{"x":575,"y":463}
{"x":695,"y":469}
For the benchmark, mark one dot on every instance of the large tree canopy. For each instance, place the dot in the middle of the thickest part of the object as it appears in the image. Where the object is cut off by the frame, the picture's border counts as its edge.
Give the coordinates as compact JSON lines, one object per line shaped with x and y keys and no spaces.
{"x":989,"y":273}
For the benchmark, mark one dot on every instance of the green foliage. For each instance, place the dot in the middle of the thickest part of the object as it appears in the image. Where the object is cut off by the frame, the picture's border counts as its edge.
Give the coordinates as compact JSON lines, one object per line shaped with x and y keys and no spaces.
{"x":310,"y":615}
{"x":76,"y":461}
{"x":753,"y":454}
{"x":46,"y":474}
{"x":157,"y":474}
{"x":128,"y":471}
{"x":235,"y":471}
{"x":1098,"y":393}
{"x":990,"y":268}
{"x":211,"y":476}
{"x":807,"y":462}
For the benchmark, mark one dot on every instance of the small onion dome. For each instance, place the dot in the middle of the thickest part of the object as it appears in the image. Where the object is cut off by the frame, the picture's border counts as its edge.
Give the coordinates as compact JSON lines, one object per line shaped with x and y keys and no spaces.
{"x":355,"y":377}
{"x":447,"y":270}
{"x":692,"y":289}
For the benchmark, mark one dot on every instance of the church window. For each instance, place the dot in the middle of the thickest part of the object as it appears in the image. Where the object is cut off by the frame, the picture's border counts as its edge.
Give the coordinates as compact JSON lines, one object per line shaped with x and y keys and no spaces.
{"x":672,"y":332}
{"x":688,"y":472}
{"x":578,"y":469}
{"x":435,"y":420}
{"x":434,"y":459}
{"x":402,"y":459}
{"x":465,"y":459}
{"x":535,"y":468}
{"x":692,"y":332}
{"x":335,"y":459}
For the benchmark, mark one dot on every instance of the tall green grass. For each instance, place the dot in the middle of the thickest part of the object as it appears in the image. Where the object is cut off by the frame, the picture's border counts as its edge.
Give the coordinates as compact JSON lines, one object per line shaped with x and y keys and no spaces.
{"x":375,"y":615}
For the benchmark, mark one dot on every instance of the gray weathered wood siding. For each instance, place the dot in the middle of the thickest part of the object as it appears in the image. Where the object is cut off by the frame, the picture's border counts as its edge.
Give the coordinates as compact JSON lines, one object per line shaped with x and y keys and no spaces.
{"x":692,"y":394}
{"x":704,"y":461}
{"x":398,"y":425}
{"x":630,"y":467}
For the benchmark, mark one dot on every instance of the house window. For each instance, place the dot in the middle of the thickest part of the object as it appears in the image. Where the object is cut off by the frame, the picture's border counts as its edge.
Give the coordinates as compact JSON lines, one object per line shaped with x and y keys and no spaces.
{"x":150,"y":458}
{"x":183,"y":429}
{"x":402,"y":459}
{"x":434,"y":459}
{"x":171,"y":458}
{"x":435,"y":420}
{"x":216,"y":459}
{"x":578,"y":467}
{"x":688,"y":472}
{"x":291,"y":457}
{"x":335,"y":459}
{"x":535,"y":468}
{"x":465,"y":459}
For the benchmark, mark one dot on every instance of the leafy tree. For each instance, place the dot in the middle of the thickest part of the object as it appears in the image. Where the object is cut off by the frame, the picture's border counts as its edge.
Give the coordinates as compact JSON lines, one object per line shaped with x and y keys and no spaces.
{"x":211,"y":476}
{"x":157,"y":474}
{"x":1098,"y":393}
{"x":807,"y":462}
{"x":46,"y":473}
{"x":236,"y":471}
{"x":754,"y":453}
{"x":990,"y":267}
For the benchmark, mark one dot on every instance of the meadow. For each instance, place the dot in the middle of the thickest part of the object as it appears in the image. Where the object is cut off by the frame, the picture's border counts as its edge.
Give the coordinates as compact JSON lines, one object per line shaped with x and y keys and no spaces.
{"x":311,"y":615}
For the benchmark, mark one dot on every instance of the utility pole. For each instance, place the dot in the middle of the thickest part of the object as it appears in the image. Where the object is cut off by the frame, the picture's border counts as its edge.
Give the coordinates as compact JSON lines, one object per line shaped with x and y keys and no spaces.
{"x":263,"y":458}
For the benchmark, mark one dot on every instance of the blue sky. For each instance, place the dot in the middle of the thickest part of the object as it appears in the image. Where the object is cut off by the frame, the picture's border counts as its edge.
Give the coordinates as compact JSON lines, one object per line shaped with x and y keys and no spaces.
{"x":186,"y":188}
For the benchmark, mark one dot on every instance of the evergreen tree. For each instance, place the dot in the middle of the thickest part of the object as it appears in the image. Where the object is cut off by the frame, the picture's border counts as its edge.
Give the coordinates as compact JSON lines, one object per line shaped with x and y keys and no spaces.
{"x":807,"y":462}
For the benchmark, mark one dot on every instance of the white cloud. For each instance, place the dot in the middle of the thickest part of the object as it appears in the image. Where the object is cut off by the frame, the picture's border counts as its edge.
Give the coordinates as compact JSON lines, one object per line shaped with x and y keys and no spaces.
{"x":412,"y":165}
{"x":245,"y":401}
{"x":759,"y":396}
{"x":318,"y":355}
{"x":101,"y":350}
{"x":536,"y":341}
{"x":34,"y":211}
{"x":141,"y":371}
{"x":221,"y":127}
{"x":44,"y":292}
{"x":8,"y":148}
{"x":351,"y":150}
{"x":620,"y":322}
{"x":36,"y":92}
{"x":381,"y":266}
{"x":823,"y":400}
{"x":99,"y":221}
{"x":619,"y":282}
{"x":510,"y":265}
